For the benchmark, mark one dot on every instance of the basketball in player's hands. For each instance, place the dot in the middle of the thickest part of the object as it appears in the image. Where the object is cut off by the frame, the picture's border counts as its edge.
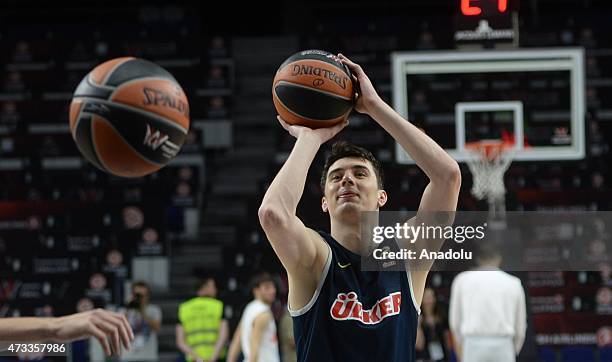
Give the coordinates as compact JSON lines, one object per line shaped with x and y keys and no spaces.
{"x":129,"y":117}
{"x":313,"y":88}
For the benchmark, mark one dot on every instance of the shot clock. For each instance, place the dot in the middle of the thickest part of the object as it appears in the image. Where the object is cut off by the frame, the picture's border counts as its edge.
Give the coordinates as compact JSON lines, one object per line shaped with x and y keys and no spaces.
{"x":486,"y":22}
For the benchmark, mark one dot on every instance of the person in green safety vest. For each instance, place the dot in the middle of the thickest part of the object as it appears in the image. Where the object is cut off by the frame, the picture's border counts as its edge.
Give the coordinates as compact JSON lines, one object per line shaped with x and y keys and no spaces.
{"x":203,"y":332}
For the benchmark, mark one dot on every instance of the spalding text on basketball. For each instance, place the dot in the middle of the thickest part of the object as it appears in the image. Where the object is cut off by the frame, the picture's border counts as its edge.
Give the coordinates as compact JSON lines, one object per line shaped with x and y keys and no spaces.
{"x":340,"y":80}
{"x":157,"y":97}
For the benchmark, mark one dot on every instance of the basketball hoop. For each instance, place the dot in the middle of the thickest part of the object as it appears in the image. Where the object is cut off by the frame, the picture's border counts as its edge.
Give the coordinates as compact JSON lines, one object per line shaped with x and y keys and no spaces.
{"x":490,"y":160}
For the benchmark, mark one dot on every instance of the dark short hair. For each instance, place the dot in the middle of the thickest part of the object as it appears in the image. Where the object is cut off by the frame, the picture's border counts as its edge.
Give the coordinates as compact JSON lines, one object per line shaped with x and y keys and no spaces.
{"x":204,"y":279}
{"x":141,"y":284}
{"x":259,"y":279}
{"x":343,"y":149}
{"x":487,"y":250}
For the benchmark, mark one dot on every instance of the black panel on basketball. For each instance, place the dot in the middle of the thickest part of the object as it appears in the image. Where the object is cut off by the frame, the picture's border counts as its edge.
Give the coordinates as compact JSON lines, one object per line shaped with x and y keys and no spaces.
{"x":132,"y":125}
{"x":87,"y":89}
{"x":83,"y":132}
{"x":311,"y":103}
{"x":137,"y":68}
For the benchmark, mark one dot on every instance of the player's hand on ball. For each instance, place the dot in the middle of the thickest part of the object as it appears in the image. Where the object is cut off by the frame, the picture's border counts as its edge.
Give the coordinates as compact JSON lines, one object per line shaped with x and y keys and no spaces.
{"x":322,"y":134}
{"x":366,"y":97}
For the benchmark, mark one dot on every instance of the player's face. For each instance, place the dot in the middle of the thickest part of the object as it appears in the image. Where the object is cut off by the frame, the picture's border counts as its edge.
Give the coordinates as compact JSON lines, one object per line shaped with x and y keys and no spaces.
{"x":351,"y":187}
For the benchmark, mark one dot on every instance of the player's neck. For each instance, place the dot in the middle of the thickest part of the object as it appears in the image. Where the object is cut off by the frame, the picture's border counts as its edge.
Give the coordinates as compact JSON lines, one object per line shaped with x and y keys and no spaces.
{"x":348,"y":235}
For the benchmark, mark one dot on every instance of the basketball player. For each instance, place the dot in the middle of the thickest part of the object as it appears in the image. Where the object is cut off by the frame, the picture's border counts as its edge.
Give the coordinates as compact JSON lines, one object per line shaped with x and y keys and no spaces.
{"x":323,"y":268}
{"x":110,"y":328}
{"x":256,"y":332}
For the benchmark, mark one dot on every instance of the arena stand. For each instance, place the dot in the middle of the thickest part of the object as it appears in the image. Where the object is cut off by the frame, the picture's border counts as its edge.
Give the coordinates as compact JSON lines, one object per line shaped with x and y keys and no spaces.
{"x":203,"y":207}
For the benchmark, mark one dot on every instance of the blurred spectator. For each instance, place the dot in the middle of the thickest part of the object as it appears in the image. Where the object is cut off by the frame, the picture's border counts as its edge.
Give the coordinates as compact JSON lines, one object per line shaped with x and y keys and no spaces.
{"x":80,"y":349}
{"x":426,"y":41}
{"x":44,"y":311}
{"x":150,"y":244}
{"x":217,"y":48}
{"x":13,"y":83}
{"x":185,"y":174}
{"x":192,"y":142}
{"x":567,"y":34}
{"x":597,"y":180}
{"x":101,"y":49}
{"x":604,"y":338}
{"x":114,"y":264}
{"x":49,"y":147}
{"x":203,"y":332}
{"x":598,"y":144}
{"x":9,"y":114}
{"x":183,"y":190}
{"x":586,"y":38}
{"x":216,"y":108}
{"x":287,"y":342}
{"x":592,"y":68}
{"x":257,"y":328}
{"x":145,"y":319}
{"x":604,"y":301}
{"x":419,"y":104}
{"x":433,"y":323}
{"x":216,"y":77}
{"x":591,"y":98}
{"x":22,"y":52}
{"x":98,"y":290}
{"x":84,"y":304}
{"x":133,"y":217}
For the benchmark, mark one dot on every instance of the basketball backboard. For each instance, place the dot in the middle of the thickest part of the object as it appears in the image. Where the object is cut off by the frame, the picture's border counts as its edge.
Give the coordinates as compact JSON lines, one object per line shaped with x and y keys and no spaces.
{"x":534,"y":97}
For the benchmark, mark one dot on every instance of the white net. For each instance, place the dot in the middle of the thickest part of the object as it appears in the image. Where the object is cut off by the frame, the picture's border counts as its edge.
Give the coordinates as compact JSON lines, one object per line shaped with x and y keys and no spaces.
{"x":488,"y":173}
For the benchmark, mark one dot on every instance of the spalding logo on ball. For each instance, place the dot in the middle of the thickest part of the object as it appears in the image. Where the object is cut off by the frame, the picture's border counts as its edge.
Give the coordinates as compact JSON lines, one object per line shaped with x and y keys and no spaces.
{"x":129,"y":117}
{"x":313,"y":88}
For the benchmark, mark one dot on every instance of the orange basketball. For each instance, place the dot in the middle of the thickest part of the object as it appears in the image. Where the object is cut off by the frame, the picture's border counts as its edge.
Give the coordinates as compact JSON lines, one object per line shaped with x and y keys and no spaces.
{"x":313,"y":88}
{"x":129,"y":117}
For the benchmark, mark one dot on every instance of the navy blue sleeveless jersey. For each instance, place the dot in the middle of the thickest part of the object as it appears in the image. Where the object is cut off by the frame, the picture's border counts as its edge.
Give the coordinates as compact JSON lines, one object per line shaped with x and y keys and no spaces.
{"x":356,"y":315}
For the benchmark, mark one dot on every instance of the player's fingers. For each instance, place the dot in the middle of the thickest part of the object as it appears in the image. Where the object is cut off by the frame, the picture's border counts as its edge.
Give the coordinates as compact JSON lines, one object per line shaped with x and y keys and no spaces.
{"x":349,"y":63}
{"x":101,"y":337}
{"x":125,"y":331}
{"x":112,"y":331}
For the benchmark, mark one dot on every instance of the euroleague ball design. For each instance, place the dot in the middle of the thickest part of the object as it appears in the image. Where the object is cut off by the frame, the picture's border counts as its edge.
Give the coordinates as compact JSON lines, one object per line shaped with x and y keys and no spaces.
{"x":129,"y":117}
{"x":313,"y":88}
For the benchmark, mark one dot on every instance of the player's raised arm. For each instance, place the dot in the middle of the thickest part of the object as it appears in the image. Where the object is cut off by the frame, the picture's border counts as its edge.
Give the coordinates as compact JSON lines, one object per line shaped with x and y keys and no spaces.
{"x":290,"y":239}
{"x":442,"y":192}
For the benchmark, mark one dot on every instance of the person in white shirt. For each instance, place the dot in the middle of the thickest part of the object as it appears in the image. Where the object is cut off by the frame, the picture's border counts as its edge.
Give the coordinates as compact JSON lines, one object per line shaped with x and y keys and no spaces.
{"x":487,"y":313}
{"x":256,"y":332}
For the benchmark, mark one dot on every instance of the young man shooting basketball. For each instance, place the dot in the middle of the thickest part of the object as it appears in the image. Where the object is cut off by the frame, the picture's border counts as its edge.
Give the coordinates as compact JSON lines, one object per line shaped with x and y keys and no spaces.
{"x":323,"y":269}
